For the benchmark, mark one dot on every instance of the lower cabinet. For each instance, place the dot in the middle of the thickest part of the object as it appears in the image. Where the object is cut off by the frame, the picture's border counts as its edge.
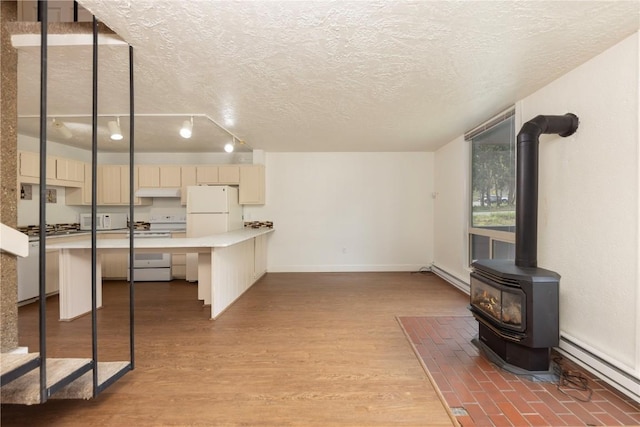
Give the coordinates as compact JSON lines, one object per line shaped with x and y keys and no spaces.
{"x":259,"y":256}
{"x":179,"y":261}
{"x":115,"y":265}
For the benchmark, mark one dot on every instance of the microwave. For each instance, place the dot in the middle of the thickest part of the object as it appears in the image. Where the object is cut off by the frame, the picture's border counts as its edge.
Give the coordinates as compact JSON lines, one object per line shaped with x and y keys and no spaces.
{"x":104,"y":221}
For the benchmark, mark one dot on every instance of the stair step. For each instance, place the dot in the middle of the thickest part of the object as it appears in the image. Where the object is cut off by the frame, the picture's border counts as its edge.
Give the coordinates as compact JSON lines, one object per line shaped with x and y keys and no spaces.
{"x":26,"y":389}
{"x":82,"y":388}
{"x":14,"y":365}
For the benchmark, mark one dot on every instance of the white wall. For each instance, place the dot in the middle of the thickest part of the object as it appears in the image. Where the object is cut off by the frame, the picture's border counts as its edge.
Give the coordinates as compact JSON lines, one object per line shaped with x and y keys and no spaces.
{"x":452,"y":209}
{"x":348,"y":211}
{"x":589,"y":215}
{"x":588,"y":205}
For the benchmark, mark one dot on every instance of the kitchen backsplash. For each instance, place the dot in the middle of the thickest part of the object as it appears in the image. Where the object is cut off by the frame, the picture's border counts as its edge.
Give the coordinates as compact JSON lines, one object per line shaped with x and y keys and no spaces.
{"x":59,"y":213}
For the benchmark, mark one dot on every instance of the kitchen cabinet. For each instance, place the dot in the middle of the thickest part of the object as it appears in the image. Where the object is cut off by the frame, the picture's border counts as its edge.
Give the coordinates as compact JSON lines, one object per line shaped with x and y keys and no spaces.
{"x":252,"y":185}
{"x":113,"y":186}
{"x":29,"y":167}
{"x":170,"y":176}
{"x":260,"y":256}
{"x":150,"y":176}
{"x":69,"y":170}
{"x":57,"y":11}
{"x":179,"y":261}
{"x":206,"y":175}
{"x":229,"y":174}
{"x":115,"y":265}
{"x":81,"y":195}
{"x":188,"y":178}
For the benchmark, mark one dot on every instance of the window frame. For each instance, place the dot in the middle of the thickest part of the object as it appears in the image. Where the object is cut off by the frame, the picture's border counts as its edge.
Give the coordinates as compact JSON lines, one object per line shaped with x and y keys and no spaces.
{"x":492,"y":234}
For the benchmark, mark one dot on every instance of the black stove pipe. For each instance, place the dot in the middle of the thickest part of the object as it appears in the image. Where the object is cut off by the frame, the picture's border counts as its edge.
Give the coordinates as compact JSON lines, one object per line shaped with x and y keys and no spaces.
{"x":527,"y":181}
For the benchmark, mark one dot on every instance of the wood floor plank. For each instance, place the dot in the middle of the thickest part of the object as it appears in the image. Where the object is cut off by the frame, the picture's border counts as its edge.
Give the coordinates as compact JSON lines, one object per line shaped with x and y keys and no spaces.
{"x":298,"y":349}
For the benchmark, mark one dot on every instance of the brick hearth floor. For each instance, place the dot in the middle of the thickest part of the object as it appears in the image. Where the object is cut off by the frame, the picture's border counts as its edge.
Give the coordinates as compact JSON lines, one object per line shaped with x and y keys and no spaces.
{"x":481,"y":394}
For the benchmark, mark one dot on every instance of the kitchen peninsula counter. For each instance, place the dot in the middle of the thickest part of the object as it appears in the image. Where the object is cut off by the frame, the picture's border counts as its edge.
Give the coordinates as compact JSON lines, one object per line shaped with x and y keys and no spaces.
{"x":228,"y":264}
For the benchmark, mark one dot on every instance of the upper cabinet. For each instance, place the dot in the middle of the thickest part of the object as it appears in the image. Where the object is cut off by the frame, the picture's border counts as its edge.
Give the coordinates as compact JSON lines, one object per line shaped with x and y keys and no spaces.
{"x":229,"y":174}
{"x":69,"y":170}
{"x":113,"y":186}
{"x":29,"y":167}
{"x":206,"y":175}
{"x":252,"y":185}
{"x":151,"y":176}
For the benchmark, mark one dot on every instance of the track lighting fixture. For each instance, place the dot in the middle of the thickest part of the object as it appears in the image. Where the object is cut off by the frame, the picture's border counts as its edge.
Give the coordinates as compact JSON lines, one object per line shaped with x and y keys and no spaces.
{"x":62,"y":128}
{"x":114,"y":129}
{"x":187,"y":128}
{"x":230,"y":146}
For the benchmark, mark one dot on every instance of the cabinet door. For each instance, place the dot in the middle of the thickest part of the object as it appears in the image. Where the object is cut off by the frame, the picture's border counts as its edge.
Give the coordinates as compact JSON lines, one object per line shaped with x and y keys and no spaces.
{"x":148,"y":176}
{"x":29,"y":165}
{"x":115,"y":265}
{"x":251,"y":185}
{"x":82,"y":195}
{"x":109,"y":185}
{"x":170,"y":177}
{"x":206,"y":175}
{"x":69,"y":169}
{"x":229,"y":174}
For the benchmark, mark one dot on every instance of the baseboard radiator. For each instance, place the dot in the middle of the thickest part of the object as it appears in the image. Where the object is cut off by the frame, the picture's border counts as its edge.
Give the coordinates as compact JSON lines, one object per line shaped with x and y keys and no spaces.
{"x":621,"y":380}
{"x":455,"y":281}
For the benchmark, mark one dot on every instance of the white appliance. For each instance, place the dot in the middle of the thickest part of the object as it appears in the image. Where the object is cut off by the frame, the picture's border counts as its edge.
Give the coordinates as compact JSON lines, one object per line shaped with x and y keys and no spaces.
{"x":211,"y":209}
{"x":156,"y":267}
{"x":104,"y":221}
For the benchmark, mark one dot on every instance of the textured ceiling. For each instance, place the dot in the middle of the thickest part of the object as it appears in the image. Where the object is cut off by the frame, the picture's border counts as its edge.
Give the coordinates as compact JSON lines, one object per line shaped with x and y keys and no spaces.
{"x":352,"y":75}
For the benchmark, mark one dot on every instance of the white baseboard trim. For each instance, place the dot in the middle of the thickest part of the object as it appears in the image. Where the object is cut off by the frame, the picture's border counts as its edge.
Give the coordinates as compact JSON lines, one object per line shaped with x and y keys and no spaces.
{"x":355,"y":268}
{"x":618,"y":378}
{"x":455,"y":281}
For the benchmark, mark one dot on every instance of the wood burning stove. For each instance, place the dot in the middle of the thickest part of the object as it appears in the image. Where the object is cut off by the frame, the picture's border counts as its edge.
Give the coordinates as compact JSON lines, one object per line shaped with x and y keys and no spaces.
{"x":517,"y":304}
{"x":517,"y":309}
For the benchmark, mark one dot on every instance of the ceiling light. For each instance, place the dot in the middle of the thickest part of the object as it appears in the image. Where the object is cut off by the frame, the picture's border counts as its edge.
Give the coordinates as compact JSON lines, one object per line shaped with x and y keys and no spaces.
{"x":187,"y":128}
{"x":62,"y":128}
{"x":114,"y":129}
{"x":229,"y":146}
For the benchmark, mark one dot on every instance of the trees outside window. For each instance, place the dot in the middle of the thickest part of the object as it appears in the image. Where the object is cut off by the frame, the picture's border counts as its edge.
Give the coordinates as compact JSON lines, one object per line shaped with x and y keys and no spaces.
{"x":493,"y":167}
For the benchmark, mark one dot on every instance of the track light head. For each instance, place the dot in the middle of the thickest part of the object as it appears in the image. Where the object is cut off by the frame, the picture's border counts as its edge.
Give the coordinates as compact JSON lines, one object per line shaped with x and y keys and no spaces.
{"x":187,"y":128}
{"x":114,"y":129}
{"x":62,"y":129}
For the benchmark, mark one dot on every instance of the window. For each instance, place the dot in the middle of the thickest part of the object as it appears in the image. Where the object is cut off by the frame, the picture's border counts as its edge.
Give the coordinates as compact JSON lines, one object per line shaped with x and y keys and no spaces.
{"x":493,"y":189}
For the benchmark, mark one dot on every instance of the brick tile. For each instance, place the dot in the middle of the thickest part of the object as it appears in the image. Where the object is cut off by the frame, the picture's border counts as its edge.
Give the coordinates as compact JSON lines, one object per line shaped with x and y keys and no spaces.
{"x":536,"y":420}
{"x":441,"y":381}
{"x":469,"y":381}
{"x":576,"y":409}
{"x":512,"y":413}
{"x":525,"y":392}
{"x":466,"y":421}
{"x":517,"y":401}
{"x":552,"y":402}
{"x":547,"y":413}
{"x":487,"y":403}
{"x":574,"y":420}
{"x":499,"y":380}
{"x":607,"y":420}
{"x":501,"y":420}
{"x":618,"y":414}
{"x":463,"y":393}
{"x":478,"y":415}
{"x":477,"y":373}
{"x":452,"y":399}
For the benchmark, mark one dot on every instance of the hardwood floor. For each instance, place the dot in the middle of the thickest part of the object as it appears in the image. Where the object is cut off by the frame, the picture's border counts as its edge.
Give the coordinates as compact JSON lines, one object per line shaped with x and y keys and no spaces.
{"x":297,"y":349}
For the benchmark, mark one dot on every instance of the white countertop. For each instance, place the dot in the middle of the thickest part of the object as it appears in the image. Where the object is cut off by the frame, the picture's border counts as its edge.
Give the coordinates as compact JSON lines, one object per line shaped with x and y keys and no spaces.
{"x":191,"y":244}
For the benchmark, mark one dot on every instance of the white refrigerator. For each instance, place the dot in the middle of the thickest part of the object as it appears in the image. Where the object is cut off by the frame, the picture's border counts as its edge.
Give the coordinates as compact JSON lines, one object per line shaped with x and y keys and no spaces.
{"x":211,"y":209}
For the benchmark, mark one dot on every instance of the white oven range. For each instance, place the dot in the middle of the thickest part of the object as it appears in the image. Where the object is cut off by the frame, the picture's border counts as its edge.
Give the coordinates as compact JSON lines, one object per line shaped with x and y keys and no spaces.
{"x":156,"y":267}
